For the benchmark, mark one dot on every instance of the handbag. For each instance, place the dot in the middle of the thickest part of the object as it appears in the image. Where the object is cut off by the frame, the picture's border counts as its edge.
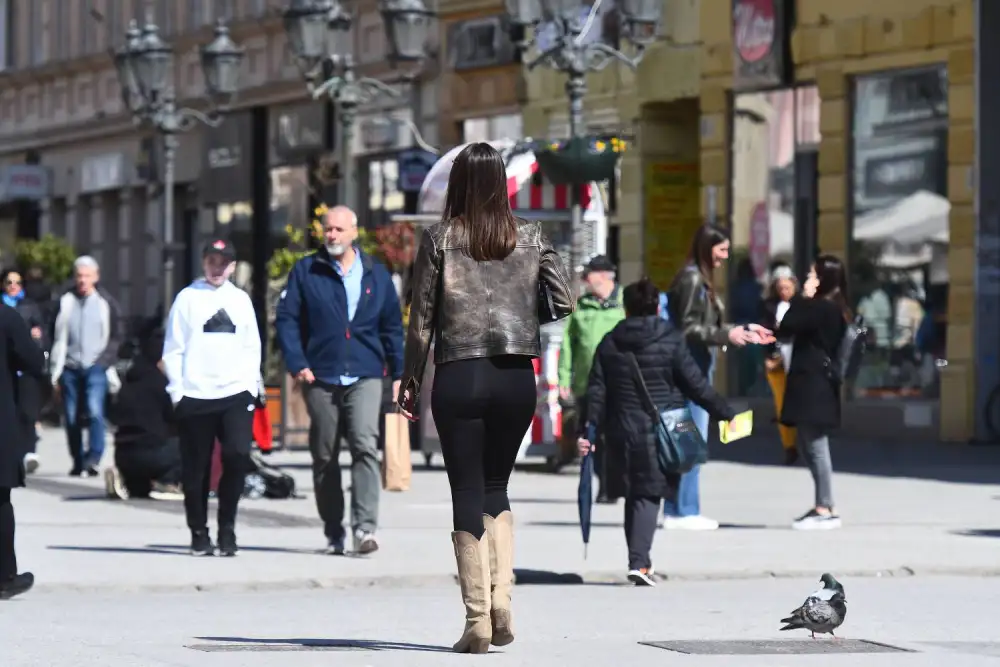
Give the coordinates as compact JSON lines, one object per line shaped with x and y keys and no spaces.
{"x":679,"y":445}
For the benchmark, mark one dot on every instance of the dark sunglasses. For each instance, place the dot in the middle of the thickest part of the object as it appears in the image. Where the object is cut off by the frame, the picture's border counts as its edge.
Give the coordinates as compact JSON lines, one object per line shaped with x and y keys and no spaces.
{"x":12,"y":282}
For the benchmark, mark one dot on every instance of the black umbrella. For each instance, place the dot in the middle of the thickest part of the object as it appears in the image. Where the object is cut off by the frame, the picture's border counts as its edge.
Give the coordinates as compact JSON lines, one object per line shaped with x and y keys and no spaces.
{"x":585,"y":494}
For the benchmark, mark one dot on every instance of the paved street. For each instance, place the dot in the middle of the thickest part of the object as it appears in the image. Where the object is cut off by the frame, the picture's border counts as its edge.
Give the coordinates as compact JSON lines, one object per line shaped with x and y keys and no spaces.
{"x":115,"y":582}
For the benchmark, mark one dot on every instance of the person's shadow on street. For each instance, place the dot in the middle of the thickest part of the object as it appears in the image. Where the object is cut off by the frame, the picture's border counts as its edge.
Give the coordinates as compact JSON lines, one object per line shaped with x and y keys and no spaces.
{"x":233,"y":644}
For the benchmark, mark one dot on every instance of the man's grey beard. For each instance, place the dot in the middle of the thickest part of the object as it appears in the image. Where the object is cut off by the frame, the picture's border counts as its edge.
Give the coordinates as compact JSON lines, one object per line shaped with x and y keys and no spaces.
{"x":336,"y":249}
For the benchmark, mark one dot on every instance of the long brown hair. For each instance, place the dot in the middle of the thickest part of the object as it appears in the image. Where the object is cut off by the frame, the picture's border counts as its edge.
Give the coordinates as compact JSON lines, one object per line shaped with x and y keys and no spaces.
{"x":478,"y":206}
{"x":700,"y":255}
{"x":832,"y":283}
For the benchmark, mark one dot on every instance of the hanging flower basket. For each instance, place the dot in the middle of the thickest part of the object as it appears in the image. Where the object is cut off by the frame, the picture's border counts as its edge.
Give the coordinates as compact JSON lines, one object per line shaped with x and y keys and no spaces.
{"x":578,"y":161}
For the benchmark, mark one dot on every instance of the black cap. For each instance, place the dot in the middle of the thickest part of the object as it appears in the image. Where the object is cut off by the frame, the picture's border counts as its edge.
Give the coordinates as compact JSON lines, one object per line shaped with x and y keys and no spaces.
{"x":599,"y":263}
{"x":220,"y":247}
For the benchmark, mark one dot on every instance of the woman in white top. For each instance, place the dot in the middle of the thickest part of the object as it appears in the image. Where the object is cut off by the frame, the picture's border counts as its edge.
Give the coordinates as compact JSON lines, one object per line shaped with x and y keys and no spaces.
{"x":778,"y":355}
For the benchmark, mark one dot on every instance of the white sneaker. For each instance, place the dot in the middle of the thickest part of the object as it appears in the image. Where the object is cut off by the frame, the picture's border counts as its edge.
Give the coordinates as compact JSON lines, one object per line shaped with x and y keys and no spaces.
{"x":813,"y":520}
{"x":113,"y":485}
{"x":31,"y":463}
{"x":697,"y":522}
{"x":365,"y":542}
{"x":642,"y":577}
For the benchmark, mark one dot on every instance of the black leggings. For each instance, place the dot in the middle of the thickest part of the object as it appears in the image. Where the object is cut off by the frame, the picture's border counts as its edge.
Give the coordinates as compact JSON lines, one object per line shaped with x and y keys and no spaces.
{"x":8,"y":560}
{"x":482,"y":408}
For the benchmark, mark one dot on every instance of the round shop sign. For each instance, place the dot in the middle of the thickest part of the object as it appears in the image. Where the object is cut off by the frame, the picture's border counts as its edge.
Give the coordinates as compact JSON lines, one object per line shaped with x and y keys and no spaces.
{"x":760,"y":238}
{"x":754,"y":28}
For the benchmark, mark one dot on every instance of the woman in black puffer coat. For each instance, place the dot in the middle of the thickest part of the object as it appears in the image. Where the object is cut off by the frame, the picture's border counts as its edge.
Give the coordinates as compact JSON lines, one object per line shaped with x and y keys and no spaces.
{"x":614,"y":405}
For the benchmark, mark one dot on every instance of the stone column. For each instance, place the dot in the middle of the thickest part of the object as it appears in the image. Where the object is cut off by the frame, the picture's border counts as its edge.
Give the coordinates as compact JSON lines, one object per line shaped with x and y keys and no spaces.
{"x":45,"y":216}
{"x":95,"y":213}
{"x":126,"y":246}
{"x":71,"y":227}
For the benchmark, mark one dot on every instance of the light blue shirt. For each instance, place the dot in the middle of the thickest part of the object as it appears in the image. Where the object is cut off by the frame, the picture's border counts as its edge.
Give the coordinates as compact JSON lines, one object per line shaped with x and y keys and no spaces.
{"x":352,"y":285}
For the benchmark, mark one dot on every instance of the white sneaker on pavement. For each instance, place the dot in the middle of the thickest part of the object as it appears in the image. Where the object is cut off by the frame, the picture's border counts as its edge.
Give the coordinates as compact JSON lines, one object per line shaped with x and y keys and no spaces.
{"x":696,"y":522}
{"x":365,"y":542}
{"x":31,"y":463}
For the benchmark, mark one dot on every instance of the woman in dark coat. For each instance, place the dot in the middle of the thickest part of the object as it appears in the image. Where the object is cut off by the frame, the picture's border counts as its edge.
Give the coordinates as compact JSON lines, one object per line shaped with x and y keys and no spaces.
{"x":673,"y":378}
{"x":817,"y":319}
{"x":31,"y":395}
{"x":18,"y":354}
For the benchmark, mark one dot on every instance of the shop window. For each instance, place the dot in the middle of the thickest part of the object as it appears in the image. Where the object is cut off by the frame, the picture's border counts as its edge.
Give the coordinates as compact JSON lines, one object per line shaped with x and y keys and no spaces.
{"x":772,"y":217}
{"x":899,"y":232}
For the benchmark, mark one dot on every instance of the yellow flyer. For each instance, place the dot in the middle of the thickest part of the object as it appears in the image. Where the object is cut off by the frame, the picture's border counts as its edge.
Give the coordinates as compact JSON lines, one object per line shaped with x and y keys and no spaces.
{"x":740,"y":427}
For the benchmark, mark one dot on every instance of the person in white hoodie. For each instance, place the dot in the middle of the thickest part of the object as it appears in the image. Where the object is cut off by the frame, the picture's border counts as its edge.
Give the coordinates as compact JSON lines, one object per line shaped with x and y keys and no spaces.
{"x":212,"y":356}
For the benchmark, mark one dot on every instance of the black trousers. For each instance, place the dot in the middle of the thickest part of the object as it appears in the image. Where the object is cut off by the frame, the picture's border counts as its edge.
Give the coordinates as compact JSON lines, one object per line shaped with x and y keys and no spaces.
{"x":482,"y":408}
{"x":8,"y":559}
{"x":142,"y":463}
{"x":200,"y":423}
{"x":641,"y":514}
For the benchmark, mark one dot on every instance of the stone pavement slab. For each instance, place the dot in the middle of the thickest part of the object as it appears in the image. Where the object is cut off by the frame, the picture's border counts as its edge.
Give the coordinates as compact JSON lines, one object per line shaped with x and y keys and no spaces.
{"x":935,"y":620}
{"x":924,"y":510}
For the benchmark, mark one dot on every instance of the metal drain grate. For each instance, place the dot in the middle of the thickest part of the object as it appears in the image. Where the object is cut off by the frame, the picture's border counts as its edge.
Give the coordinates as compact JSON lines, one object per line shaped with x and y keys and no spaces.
{"x":776,"y":646}
{"x":273,"y":648}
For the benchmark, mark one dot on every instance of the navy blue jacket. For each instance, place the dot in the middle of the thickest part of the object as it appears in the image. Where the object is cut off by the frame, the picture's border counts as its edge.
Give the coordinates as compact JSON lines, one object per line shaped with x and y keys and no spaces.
{"x":314,"y":331}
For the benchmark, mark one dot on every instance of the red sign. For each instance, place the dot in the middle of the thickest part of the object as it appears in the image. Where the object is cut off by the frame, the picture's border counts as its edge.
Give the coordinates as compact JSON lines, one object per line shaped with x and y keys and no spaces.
{"x":761,"y":55}
{"x":760,"y":238}
{"x":754,"y":28}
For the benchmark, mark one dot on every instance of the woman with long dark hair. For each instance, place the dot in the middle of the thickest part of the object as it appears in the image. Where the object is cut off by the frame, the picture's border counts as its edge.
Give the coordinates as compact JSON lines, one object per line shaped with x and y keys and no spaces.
{"x":476,"y":283}
{"x":817,"y":319}
{"x":696,"y":308}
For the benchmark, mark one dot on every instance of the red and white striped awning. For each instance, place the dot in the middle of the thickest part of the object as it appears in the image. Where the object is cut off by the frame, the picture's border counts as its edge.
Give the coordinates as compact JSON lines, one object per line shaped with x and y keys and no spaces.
{"x":531,"y":194}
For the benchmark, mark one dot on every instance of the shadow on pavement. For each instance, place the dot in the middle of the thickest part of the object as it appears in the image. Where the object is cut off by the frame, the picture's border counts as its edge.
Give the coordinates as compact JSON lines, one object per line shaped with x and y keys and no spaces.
{"x":544,"y":501}
{"x":549,"y":578}
{"x":619,"y":525}
{"x":362,"y":644}
{"x":978,"y":532}
{"x":946,"y":462}
{"x":178,"y":549}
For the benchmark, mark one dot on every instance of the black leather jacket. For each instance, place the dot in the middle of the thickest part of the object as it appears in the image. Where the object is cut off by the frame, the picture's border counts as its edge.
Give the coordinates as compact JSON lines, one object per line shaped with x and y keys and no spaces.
{"x":479,"y":309}
{"x":698,"y":313}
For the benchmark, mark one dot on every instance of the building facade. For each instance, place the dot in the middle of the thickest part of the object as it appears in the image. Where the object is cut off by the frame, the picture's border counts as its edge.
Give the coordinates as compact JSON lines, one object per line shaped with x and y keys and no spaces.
{"x":264,"y":167}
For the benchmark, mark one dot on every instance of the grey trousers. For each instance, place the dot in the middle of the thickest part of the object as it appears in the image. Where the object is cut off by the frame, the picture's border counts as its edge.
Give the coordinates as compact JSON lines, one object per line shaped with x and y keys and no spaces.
{"x":351,"y":412}
{"x":815,"y":449}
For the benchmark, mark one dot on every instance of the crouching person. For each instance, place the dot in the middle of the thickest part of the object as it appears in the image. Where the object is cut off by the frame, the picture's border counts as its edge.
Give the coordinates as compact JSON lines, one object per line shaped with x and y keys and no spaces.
{"x":147,"y":455}
{"x":212,"y":360}
{"x":614,"y":405}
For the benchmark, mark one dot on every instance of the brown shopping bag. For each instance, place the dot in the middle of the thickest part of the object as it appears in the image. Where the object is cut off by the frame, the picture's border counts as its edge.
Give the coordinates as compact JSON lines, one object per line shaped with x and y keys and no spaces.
{"x":396,"y":464}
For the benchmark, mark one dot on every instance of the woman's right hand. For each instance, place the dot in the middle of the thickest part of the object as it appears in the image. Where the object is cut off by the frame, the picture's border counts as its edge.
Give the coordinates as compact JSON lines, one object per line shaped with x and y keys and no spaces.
{"x":584,"y":446}
{"x":740,"y":336}
{"x":407,"y":405}
{"x":809,"y":288}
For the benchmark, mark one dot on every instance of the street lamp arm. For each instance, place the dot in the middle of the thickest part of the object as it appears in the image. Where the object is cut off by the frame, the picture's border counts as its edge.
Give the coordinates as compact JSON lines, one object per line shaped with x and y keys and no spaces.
{"x":599,"y":56}
{"x":543,"y":57}
{"x":374,"y":88}
{"x":188,"y":118}
{"x":328,"y":87}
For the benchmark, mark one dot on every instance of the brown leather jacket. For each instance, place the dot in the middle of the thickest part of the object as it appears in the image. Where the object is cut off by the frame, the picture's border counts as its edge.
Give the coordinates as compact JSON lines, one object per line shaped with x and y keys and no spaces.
{"x":697,"y":313}
{"x":479,"y":309}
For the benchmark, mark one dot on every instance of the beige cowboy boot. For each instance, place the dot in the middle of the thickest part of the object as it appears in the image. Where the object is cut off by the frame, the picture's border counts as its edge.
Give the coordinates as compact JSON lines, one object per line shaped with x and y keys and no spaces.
{"x":473,"y":558}
{"x":500,"y":532}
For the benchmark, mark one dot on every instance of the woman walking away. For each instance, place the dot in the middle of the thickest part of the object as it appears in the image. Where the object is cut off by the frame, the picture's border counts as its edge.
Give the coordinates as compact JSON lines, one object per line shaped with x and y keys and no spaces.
{"x":672,"y":377}
{"x":817,"y":320}
{"x":19,"y":355}
{"x":696,"y":308}
{"x":778,"y":356}
{"x":476,"y":285}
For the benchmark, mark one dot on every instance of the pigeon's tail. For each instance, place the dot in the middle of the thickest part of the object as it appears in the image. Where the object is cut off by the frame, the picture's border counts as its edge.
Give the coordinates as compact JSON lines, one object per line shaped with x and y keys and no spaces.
{"x":792,"y":625}
{"x":794,"y":618}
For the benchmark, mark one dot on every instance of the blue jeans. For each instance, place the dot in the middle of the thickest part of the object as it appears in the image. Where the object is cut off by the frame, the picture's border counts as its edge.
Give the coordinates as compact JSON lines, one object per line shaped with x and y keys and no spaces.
{"x":79,"y":385}
{"x":688,"y":501}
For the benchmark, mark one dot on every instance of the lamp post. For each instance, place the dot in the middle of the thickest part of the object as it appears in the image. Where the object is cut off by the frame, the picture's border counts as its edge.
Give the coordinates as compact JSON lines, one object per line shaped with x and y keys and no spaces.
{"x":145,"y":73}
{"x":319,"y":33}
{"x":569,"y":22}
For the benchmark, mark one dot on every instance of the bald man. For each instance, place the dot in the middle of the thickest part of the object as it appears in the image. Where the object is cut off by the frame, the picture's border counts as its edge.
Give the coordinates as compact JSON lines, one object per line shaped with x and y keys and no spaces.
{"x":340,"y":329}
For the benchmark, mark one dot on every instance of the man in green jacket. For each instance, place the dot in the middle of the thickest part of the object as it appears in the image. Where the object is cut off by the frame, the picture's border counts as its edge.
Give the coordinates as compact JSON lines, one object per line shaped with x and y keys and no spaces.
{"x":597,"y":313}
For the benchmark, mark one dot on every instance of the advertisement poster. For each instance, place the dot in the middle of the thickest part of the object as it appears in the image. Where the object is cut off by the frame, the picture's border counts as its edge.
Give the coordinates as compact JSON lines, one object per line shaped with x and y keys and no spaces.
{"x":672,"y":215}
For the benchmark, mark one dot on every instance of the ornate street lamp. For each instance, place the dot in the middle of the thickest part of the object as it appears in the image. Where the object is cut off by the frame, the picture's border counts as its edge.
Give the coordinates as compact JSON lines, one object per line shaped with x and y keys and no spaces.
{"x":574,"y":56}
{"x":145,"y":73}
{"x":318,"y":34}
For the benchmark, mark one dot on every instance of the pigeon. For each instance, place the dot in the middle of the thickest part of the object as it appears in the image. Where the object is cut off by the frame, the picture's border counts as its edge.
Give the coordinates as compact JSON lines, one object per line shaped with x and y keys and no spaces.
{"x":823,"y":611}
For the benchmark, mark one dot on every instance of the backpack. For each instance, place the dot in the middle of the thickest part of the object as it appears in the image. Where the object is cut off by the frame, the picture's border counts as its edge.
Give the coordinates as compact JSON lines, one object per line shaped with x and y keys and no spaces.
{"x":271,"y":481}
{"x":852,"y":349}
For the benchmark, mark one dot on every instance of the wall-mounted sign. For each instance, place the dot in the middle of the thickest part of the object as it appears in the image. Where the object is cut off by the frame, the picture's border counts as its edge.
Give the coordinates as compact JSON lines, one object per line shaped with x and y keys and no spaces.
{"x":761,"y":53}
{"x":24,"y":181}
{"x":414,"y":165}
{"x":102,"y":172}
{"x":227,"y":174}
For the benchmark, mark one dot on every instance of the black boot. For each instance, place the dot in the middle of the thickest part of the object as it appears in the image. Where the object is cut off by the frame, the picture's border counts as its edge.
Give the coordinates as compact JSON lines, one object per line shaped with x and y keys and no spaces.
{"x":227,"y":542}
{"x":201,"y":543}
{"x":16,"y":585}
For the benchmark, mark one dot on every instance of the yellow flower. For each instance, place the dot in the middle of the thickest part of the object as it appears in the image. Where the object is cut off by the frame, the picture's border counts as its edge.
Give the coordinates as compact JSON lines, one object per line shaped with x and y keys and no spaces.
{"x":599,"y":146}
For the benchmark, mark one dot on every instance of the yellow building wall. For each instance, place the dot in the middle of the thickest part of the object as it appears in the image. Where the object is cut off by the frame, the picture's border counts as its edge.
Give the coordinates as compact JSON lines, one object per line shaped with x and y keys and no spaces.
{"x":834,"y":40}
